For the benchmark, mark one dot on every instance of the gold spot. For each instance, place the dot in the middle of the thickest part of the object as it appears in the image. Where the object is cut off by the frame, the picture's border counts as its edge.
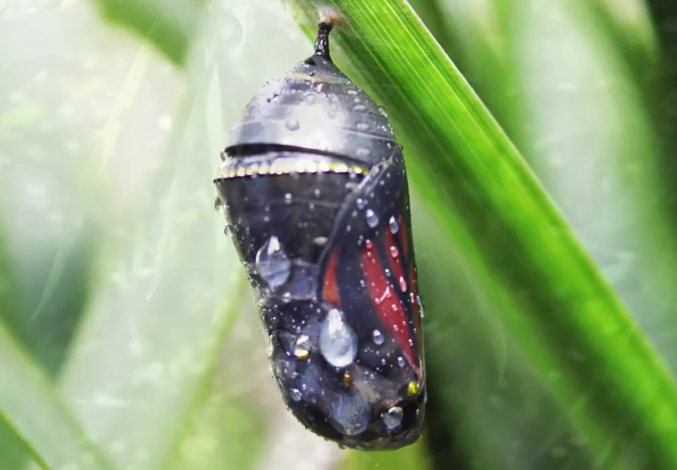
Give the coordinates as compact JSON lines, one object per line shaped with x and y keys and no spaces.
{"x":277,"y":167}
{"x":347,"y":379}
{"x":412,"y":388}
{"x":301,"y":353}
{"x":252,"y":169}
{"x":240,"y":171}
{"x":301,"y":166}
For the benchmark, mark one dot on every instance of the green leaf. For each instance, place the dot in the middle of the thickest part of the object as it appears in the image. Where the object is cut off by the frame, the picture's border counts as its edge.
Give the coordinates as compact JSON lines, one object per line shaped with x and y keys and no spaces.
{"x":551,"y":296}
{"x":40,"y":419}
{"x":144,"y":357}
{"x":581,"y":109}
{"x":143,"y":361}
{"x":412,"y":457}
{"x":170,"y":28}
{"x":228,"y":429}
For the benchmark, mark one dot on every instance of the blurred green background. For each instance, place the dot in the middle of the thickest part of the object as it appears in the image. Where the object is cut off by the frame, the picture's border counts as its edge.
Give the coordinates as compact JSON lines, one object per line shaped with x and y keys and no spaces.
{"x":540,"y":143}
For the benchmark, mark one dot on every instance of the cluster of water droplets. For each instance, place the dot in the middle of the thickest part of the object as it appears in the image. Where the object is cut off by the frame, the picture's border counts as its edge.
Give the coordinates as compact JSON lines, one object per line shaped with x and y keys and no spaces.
{"x":336,"y":340}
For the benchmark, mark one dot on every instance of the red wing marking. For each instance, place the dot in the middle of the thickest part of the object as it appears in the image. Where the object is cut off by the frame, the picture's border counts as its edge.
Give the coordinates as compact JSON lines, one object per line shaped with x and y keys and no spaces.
{"x":386,"y":302}
{"x":394,"y":256}
{"x":413,"y":297}
{"x":329,"y":289}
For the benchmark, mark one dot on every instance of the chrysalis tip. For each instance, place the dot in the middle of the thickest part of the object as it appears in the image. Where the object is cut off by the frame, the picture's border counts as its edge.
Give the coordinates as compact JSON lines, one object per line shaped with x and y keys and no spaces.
{"x":330,"y":16}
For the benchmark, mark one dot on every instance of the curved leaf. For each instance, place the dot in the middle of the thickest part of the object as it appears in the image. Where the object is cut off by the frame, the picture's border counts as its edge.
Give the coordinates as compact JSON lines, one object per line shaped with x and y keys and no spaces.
{"x":552,"y":297}
{"x":170,"y":28}
{"x":33,"y":409}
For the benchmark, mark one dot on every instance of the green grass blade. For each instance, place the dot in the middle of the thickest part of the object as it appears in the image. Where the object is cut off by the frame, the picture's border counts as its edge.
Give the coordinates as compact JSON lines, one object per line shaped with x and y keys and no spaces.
{"x":496,"y":211}
{"x":31,"y":407}
{"x":413,"y":457}
{"x":486,"y":404}
{"x":169,"y":26}
{"x":144,"y":356}
{"x":230,"y":428}
{"x":577,"y":99}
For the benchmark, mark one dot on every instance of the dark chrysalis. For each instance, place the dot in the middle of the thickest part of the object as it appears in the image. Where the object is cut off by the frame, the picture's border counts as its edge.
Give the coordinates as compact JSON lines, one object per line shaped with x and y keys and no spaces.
{"x":314,"y":189}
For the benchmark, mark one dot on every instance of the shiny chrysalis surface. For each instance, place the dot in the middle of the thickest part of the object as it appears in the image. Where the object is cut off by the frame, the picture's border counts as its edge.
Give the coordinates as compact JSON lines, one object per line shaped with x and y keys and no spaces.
{"x":314,"y":189}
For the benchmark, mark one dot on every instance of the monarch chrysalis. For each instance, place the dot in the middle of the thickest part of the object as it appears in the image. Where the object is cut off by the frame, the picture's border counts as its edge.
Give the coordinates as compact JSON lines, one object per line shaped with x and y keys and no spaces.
{"x":314,"y":189}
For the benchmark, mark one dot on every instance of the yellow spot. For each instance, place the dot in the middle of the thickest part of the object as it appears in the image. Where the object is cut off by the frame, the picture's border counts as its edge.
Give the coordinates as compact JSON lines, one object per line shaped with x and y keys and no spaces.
{"x":301,"y":353}
{"x":347,"y":379}
{"x":282,"y":166}
{"x":412,"y":388}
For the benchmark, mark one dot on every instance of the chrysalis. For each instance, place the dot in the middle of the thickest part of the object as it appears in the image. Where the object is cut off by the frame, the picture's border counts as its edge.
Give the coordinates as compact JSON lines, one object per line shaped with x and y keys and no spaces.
{"x":315,"y":193}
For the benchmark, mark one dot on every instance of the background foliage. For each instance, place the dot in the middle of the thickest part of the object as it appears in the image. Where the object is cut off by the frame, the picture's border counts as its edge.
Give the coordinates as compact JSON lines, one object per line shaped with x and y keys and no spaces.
{"x":542,"y":171}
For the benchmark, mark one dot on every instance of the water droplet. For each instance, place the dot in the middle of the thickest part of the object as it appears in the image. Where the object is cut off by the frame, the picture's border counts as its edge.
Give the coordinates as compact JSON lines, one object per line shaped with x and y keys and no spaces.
{"x":302,"y":348}
{"x":218,"y":204}
{"x":403,"y":284}
{"x":394,"y":252}
{"x":362,"y":152}
{"x":286,"y":297}
{"x":360,"y":203}
{"x":372,"y":218}
{"x":273,"y":264}
{"x":228,"y":231}
{"x":382,"y":111}
{"x":419,"y":301}
{"x":317,"y":193}
{"x":394,"y":226}
{"x":288,"y":198}
{"x":352,"y":92}
{"x":393,"y":417}
{"x":401,"y":362}
{"x":362,"y":126}
{"x":338,"y":342}
{"x":350,"y":413}
{"x":292,"y":124}
{"x":377,"y":337}
{"x":359,"y":107}
{"x":295,"y":394}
